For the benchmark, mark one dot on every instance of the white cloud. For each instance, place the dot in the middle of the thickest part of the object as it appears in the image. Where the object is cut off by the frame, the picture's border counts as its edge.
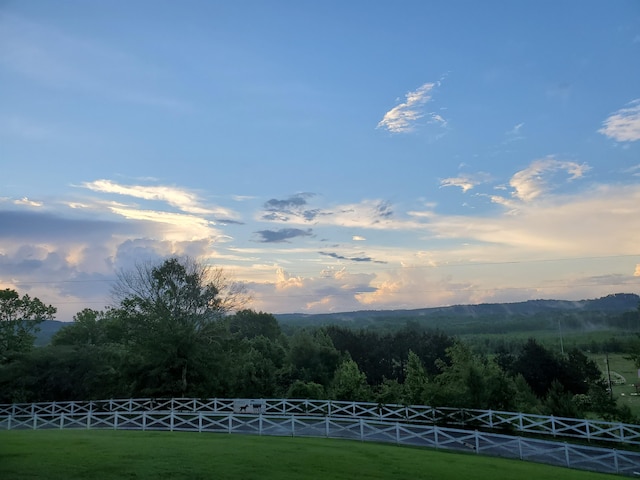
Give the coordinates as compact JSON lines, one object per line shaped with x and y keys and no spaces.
{"x":402,"y":117}
{"x":178,"y":226}
{"x":637,"y":271}
{"x":358,"y":238}
{"x":602,"y":223}
{"x":327,"y":290}
{"x":623,"y":125}
{"x":531,"y":182}
{"x":177,"y":197}
{"x":465,"y":182}
{"x":26,"y":202}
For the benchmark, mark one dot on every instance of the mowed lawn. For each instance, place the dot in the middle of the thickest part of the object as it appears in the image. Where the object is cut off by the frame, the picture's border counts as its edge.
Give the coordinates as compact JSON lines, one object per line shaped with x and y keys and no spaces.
{"x":625,"y":394}
{"x":108,"y":454}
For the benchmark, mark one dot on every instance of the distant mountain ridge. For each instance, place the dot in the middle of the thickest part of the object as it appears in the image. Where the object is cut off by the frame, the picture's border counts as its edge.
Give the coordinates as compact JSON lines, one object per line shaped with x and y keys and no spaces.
{"x":611,"y":304}
{"x":614,"y":303}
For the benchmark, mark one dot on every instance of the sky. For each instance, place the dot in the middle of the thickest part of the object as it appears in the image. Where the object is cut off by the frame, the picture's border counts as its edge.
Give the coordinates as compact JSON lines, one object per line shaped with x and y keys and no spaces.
{"x":332,"y":156}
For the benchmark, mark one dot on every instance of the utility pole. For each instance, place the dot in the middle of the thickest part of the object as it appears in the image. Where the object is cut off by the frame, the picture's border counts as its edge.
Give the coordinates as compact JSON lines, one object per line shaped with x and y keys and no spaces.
{"x":609,"y":375}
{"x":561,"y":342}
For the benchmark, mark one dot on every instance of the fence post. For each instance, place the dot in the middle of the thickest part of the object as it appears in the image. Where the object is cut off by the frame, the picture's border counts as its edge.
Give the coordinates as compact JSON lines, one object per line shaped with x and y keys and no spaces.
{"x":615,"y":460}
{"x":566,"y":454}
{"x":171,"y":420}
{"x":521,"y":422}
{"x":326,"y":427}
{"x":9,"y":422}
{"x":89,"y":420}
{"x":144,"y":420}
{"x":397,"y":433}
{"x":435,"y":436}
{"x":293,"y":425}
{"x":520,"y":447}
{"x":260,"y":424}
{"x":477,"y":437}
{"x":199,"y":422}
{"x":35,"y":421}
{"x":230,"y":419}
{"x":61,"y":421}
{"x":362,"y":430}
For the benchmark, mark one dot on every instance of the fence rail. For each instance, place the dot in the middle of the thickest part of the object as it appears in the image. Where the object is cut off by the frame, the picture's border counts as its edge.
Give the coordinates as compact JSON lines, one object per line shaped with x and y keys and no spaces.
{"x":507,"y":422}
{"x":364,"y":429}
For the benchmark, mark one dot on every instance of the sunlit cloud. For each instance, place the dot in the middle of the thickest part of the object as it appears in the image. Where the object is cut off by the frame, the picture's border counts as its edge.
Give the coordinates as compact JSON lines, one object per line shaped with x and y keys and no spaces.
{"x":402,"y":117}
{"x":530,"y":183}
{"x":623,"y":125}
{"x":26,"y":202}
{"x":565,"y":224}
{"x":176,"y":197}
{"x":637,"y":271}
{"x":465,"y":182}
{"x":358,"y":238}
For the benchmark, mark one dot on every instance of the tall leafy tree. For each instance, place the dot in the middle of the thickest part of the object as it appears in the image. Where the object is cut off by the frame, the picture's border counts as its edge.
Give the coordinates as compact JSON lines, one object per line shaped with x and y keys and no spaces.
{"x":415,"y":382}
{"x":19,"y":320}
{"x":349,"y":383}
{"x":174,"y":314}
{"x":250,"y":324}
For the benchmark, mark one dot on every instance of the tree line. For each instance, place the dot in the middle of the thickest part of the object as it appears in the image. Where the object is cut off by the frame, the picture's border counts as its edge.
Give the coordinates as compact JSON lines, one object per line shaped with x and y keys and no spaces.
{"x":179,"y":329}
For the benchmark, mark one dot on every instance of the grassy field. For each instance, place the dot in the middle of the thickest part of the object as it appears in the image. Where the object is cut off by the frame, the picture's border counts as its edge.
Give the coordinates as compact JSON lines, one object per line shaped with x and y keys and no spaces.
{"x":624,"y":393}
{"x":107,"y":454}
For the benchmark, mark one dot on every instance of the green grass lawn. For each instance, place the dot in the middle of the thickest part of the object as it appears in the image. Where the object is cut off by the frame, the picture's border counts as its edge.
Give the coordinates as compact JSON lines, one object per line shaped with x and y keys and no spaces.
{"x":626,"y":368}
{"x":108,"y":454}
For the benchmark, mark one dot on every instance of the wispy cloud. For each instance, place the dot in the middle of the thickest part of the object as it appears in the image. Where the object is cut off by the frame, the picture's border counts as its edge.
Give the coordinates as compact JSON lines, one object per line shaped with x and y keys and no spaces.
{"x":26,"y":202}
{"x":623,"y":125}
{"x":530,"y":183}
{"x":465,"y":181}
{"x":402,"y":117}
{"x":515,"y":133}
{"x":351,"y":259}
{"x":180,"y":198}
{"x":282,"y":235}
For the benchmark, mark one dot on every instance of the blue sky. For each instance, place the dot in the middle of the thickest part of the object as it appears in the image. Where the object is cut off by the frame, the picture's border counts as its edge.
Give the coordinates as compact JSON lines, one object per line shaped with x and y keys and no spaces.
{"x":335,"y":155}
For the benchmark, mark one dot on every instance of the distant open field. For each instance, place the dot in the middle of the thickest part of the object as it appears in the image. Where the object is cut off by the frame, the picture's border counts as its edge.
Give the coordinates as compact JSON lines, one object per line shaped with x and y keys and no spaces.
{"x":107,"y":454}
{"x":625,"y":392}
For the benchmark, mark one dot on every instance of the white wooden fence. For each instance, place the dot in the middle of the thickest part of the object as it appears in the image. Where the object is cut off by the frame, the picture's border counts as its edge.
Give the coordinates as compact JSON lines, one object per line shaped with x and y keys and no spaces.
{"x":504,"y":422}
{"x":364,"y":429}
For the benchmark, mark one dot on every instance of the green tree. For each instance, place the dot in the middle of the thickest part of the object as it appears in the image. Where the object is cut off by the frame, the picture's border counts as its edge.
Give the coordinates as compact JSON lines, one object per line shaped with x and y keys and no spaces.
{"x":19,"y":320}
{"x":471,"y":381}
{"x":174,"y":315}
{"x":312,"y":357}
{"x":251,"y":324}
{"x":415,"y":382}
{"x":306,"y":390}
{"x":349,"y":383}
{"x":85,"y":330}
